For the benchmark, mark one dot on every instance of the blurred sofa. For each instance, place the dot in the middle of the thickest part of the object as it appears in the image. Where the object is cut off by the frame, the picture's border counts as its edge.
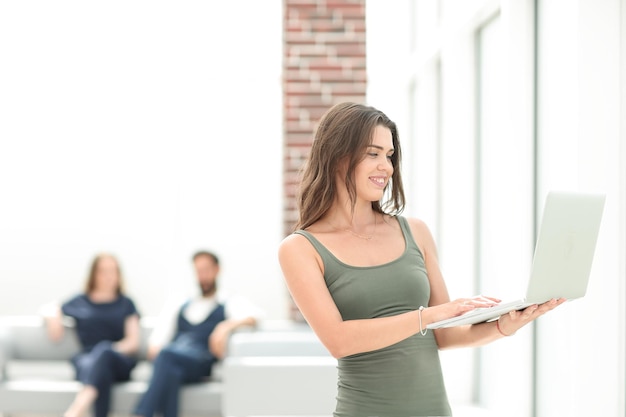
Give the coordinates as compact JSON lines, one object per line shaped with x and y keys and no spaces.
{"x":277,"y":369}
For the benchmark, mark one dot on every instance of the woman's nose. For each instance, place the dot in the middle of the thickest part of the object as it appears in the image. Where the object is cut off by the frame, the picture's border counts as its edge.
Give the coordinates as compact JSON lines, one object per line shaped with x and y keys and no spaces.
{"x":385,"y":165}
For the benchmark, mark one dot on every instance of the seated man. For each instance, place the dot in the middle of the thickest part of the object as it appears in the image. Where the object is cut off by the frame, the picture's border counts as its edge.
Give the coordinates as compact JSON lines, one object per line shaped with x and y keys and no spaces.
{"x":187,"y":341}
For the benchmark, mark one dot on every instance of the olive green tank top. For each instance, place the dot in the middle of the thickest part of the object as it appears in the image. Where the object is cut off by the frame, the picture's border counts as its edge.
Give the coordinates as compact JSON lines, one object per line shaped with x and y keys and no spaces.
{"x":401,"y":380}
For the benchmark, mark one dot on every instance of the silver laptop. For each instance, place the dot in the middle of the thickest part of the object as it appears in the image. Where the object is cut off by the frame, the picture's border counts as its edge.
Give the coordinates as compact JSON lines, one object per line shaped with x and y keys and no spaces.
{"x":563,"y":255}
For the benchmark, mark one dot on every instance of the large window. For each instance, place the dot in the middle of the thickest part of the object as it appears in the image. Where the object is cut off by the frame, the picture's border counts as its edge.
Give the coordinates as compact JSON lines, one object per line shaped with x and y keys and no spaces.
{"x":504,"y":220}
{"x":507,"y":100}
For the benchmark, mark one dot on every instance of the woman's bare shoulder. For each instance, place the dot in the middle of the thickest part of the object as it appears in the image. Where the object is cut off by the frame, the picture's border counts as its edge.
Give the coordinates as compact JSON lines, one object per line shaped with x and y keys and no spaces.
{"x":417,"y":225}
{"x":294,"y":243}
{"x":421,"y":232}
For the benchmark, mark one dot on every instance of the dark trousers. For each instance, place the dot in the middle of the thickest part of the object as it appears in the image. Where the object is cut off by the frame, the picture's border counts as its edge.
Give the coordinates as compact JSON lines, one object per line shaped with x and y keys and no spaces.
{"x":173,"y":367}
{"x":101,"y":367}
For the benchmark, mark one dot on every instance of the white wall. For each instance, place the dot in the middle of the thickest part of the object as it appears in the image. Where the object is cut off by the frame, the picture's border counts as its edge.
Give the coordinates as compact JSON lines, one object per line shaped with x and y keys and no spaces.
{"x":148,"y":129}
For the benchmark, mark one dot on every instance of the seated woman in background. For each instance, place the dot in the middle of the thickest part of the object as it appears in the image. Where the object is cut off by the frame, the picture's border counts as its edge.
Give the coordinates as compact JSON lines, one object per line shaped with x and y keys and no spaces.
{"x":107,"y":325}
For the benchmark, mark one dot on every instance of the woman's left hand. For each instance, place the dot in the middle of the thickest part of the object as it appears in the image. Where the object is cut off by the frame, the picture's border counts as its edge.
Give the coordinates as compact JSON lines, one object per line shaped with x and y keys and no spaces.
{"x":514,"y":320}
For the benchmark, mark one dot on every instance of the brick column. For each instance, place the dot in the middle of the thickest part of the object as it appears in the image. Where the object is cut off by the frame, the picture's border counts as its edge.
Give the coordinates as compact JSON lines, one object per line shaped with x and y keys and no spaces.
{"x":323,"y":64}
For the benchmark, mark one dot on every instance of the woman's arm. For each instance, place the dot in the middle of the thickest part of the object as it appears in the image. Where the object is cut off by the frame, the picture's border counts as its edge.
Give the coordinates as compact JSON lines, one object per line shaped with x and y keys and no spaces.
{"x":129,"y":345}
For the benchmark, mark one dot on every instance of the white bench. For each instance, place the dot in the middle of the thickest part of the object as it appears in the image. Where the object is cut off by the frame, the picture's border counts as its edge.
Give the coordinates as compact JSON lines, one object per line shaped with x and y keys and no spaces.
{"x":280,"y":368}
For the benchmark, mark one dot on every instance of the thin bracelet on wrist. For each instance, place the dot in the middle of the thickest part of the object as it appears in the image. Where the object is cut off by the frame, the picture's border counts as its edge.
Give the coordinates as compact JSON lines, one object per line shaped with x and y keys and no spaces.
{"x":423,"y":331}
{"x":500,"y":330}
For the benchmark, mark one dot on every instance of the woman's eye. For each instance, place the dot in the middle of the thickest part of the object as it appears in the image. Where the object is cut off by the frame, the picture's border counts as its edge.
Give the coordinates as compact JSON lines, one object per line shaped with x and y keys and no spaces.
{"x":372,"y":154}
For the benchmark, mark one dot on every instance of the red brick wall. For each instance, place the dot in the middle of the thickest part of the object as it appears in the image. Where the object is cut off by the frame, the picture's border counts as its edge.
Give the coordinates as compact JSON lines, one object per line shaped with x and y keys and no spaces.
{"x":323,"y":64}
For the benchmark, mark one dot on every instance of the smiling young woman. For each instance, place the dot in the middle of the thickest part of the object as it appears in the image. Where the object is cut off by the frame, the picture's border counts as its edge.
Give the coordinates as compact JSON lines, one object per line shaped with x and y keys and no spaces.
{"x":367,"y":279}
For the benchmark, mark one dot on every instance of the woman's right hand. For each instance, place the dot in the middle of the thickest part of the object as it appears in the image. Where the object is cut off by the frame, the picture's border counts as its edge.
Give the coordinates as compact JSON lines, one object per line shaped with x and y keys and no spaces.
{"x":460,"y":306}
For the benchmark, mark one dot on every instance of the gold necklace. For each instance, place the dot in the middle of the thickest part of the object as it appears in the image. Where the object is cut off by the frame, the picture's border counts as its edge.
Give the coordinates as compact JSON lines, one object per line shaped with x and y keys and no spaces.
{"x":355,"y":234}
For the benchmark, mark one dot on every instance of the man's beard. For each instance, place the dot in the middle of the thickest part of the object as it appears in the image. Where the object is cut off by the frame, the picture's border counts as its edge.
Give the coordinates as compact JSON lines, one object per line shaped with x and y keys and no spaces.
{"x":208,"y":288}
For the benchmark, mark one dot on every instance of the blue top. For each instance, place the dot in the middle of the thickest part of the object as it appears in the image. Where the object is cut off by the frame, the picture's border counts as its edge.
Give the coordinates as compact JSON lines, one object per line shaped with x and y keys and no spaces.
{"x":401,"y":380}
{"x":97,"y":322}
